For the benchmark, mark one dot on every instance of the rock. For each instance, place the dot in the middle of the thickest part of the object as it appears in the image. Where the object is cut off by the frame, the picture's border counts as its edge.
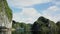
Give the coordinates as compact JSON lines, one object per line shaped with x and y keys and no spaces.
{"x":5,"y":14}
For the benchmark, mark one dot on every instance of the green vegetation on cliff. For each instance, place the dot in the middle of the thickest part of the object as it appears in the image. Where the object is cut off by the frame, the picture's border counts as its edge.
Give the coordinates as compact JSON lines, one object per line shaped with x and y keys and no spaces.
{"x":41,"y":26}
{"x":21,"y":27}
{"x":44,"y":26}
{"x":7,"y":10}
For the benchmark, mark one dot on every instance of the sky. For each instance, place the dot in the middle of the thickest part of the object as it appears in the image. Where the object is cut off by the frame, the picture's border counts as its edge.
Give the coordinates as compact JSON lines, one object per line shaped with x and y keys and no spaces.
{"x":28,"y":11}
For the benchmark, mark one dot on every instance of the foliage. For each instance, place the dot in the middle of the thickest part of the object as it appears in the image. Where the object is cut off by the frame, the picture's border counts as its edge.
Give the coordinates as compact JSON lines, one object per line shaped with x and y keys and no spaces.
{"x":58,"y":24}
{"x":41,"y":26}
{"x":44,"y":26}
{"x":22,"y":26}
{"x":7,"y":9}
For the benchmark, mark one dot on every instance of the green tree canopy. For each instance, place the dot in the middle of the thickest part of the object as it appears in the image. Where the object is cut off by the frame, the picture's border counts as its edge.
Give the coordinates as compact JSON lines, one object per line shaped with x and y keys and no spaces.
{"x":44,"y":26}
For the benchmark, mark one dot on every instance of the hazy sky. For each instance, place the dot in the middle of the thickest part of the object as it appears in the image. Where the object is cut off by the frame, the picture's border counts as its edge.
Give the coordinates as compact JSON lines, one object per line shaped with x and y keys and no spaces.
{"x":29,"y":10}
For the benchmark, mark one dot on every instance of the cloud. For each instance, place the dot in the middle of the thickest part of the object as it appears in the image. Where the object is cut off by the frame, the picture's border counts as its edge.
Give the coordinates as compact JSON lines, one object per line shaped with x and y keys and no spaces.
{"x":22,"y":3}
{"x":52,"y":13}
{"x":56,"y":2}
{"x":28,"y":15}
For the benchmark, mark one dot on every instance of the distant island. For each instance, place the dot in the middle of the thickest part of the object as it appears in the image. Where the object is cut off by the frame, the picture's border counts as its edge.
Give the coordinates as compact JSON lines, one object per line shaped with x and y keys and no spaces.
{"x":41,"y":26}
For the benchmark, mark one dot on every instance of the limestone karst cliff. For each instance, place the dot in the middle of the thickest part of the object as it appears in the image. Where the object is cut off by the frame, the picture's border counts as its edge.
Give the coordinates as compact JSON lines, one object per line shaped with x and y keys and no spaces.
{"x":5,"y":14}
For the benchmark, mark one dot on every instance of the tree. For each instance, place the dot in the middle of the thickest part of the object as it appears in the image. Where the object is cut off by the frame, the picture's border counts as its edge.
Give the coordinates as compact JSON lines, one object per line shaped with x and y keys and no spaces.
{"x":35,"y":28}
{"x":40,"y":26}
{"x":58,"y":24}
{"x":53,"y":28}
{"x":44,"y":26}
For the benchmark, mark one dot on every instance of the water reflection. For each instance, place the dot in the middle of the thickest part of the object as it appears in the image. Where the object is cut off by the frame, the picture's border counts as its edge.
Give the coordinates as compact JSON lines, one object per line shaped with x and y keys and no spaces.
{"x":21,"y":32}
{"x":5,"y":32}
{"x":15,"y":32}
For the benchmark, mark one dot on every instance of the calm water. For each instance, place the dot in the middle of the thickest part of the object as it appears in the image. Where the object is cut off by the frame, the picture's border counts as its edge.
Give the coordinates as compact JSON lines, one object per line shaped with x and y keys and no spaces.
{"x":6,"y":32}
{"x":15,"y":32}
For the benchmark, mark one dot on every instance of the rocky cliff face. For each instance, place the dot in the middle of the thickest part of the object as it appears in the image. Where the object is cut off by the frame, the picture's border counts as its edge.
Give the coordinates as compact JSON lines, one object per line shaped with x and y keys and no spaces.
{"x":5,"y":14}
{"x":44,"y":26}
